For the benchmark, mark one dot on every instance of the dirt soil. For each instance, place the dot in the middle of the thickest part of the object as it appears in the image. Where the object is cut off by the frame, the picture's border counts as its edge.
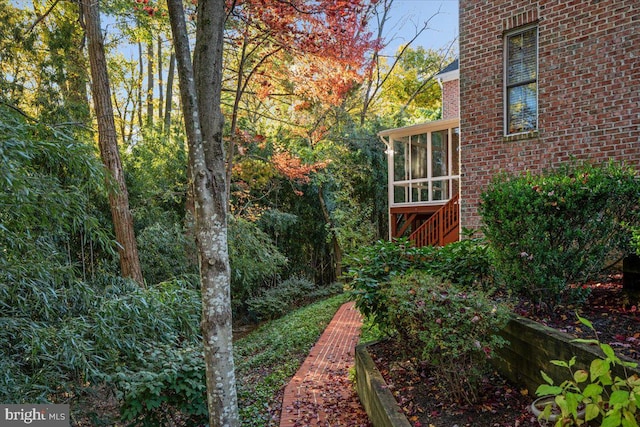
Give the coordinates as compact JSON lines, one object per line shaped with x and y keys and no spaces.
{"x":614,"y":313}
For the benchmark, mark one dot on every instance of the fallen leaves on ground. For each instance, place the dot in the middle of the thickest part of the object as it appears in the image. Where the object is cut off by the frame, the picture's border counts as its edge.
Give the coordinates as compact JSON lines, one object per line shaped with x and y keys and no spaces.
{"x":613,"y":312}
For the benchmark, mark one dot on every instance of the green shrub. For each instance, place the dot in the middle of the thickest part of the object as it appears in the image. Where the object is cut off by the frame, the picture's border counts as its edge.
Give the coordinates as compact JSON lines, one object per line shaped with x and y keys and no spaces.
{"x":288,"y":295}
{"x":164,"y":252}
{"x":40,"y":359}
{"x":168,"y":389}
{"x":465,"y":263}
{"x":635,"y":240}
{"x":369,"y":269}
{"x":550,"y":231}
{"x":127,"y":323}
{"x":452,"y":330}
{"x":255,"y":260}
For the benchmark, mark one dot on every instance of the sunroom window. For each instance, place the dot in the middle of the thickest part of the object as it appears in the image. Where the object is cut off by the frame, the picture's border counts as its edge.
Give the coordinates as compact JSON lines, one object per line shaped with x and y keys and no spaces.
{"x":426,"y":167}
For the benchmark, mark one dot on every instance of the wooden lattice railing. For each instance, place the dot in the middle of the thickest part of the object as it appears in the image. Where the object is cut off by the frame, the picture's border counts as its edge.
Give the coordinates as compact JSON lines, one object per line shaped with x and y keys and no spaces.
{"x":441,"y":228}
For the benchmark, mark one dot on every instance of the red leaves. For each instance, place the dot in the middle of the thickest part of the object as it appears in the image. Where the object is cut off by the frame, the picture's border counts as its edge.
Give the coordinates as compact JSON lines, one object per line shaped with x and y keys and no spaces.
{"x":327,"y":40}
{"x":293,"y":168}
{"x":332,"y":402}
{"x":145,"y":7}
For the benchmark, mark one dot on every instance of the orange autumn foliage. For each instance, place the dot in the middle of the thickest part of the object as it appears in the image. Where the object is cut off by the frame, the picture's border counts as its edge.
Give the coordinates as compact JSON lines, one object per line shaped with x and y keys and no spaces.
{"x":316,"y":48}
{"x":292,"y":167}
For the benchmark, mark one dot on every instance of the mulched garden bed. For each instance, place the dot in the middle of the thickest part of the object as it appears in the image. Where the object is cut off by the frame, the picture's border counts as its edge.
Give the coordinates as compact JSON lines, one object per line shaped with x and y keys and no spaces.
{"x":614,"y":313}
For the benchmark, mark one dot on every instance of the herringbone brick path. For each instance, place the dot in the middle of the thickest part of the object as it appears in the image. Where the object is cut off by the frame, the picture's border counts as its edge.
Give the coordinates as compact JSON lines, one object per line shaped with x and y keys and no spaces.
{"x":320,"y":394}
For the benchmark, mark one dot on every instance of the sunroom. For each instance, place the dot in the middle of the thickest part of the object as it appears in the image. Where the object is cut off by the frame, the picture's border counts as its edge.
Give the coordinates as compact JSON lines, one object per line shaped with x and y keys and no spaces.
{"x":424,"y":181}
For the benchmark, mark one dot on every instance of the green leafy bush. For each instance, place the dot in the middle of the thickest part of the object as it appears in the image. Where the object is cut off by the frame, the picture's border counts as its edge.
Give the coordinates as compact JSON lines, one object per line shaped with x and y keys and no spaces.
{"x":452,"y":330}
{"x":368,"y":271}
{"x":168,"y":389}
{"x":635,"y":240}
{"x":254,"y":258}
{"x":286,"y":296}
{"x":40,"y":359}
{"x":50,"y":230}
{"x":156,"y":172}
{"x":550,"y":231}
{"x":128,"y":323}
{"x":164,"y":252}
{"x":465,"y":263}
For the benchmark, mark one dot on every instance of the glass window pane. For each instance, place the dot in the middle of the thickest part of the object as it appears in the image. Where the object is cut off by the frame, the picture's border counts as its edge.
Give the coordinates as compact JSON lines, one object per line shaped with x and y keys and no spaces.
{"x":523,"y":105}
{"x":455,"y":151}
{"x":419,"y":159}
{"x":400,"y":147}
{"x":440,"y":190}
{"x":522,"y":55}
{"x":400,"y":194}
{"x":420,"y":192}
{"x":439,"y":153}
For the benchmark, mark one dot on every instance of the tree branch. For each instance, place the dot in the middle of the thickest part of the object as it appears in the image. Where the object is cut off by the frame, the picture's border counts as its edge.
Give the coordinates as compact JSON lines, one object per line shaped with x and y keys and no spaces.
{"x":41,"y":17}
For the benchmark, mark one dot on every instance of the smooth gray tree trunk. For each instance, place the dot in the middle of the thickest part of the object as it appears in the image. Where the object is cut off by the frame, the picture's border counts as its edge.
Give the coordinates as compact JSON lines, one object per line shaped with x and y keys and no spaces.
{"x":200,"y":90}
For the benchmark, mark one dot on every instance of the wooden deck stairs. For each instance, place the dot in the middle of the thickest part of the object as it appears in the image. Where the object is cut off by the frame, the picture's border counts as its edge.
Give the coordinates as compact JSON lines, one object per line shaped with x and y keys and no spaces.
{"x":441,"y":228}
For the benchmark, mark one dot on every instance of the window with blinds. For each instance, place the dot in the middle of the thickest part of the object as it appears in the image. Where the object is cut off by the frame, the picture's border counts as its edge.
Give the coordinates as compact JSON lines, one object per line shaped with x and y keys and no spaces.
{"x":521,"y":81}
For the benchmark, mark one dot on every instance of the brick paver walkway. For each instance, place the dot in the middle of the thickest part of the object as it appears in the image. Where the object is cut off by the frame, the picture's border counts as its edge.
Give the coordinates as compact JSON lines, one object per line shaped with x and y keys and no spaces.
{"x":320,"y":393}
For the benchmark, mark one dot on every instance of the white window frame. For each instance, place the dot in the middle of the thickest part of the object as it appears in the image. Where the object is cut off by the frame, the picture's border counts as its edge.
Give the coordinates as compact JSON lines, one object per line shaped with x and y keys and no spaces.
{"x":410,"y":183}
{"x":505,"y":85}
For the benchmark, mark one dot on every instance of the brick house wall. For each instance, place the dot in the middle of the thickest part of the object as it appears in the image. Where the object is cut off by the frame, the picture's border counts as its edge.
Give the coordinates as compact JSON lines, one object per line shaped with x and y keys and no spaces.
{"x":588,"y":88}
{"x":451,"y":99}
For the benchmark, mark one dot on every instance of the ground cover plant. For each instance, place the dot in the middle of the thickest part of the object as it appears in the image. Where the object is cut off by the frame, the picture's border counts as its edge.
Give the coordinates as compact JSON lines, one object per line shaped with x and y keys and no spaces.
{"x":168,"y":385}
{"x":268,"y":357}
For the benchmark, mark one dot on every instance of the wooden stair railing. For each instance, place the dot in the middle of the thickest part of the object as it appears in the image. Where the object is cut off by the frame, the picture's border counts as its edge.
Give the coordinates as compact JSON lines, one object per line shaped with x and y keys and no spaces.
{"x":439,"y":226}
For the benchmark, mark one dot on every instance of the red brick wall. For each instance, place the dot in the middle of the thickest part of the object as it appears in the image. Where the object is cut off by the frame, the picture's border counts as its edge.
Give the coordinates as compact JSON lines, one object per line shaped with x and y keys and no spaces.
{"x":588,"y":88}
{"x":451,"y":99}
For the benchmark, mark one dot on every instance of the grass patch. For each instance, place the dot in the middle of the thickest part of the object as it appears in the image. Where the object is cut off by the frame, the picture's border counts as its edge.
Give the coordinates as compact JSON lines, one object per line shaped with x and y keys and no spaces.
{"x":268,"y":357}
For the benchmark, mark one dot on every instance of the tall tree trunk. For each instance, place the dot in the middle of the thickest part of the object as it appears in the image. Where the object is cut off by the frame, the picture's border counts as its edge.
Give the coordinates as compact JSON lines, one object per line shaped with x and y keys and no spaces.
{"x":160,"y":79}
{"x":150,"y":73}
{"x":141,"y":70}
{"x":234,"y":114}
{"x":77,"y":74}
{"x":200,"y":89}
{"x":169,"y":97}
{"x":108,"y":142}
